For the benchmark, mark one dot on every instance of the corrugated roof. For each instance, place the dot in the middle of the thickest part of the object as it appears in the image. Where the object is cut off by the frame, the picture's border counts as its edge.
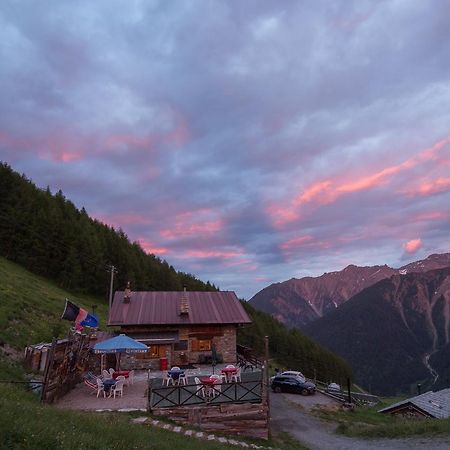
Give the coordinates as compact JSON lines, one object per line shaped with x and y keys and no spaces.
{"x":163,"y":308}
{"x":436,"y":404}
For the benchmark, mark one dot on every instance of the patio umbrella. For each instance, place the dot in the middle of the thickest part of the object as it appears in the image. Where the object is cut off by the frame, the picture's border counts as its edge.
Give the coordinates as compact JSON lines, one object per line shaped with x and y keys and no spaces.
{"x":120,"y":344}
{"x":213,"y":357}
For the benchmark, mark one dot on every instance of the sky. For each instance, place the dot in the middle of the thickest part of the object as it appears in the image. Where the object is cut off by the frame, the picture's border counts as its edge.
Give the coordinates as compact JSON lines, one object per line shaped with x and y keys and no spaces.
{"x":244,"y":142}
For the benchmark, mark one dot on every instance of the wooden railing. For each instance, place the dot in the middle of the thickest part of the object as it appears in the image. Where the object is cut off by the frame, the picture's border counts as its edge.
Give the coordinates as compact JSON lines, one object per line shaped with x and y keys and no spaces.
{"x":167,"y":397}
{"x":358,"y":398}
{"x":246,"y":359}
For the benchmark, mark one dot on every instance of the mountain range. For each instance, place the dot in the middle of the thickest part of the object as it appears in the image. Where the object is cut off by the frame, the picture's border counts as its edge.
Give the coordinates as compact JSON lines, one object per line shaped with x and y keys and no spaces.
{"x":297,"y":302}
{"x":391,"y":325}
{"x":395,"y":333}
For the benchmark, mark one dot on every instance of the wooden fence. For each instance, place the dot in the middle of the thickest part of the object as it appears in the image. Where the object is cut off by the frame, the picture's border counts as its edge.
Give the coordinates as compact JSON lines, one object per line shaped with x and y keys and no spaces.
{"x":358,"y":398}
{"x":235,"y":408}
{"x":66,"y":361}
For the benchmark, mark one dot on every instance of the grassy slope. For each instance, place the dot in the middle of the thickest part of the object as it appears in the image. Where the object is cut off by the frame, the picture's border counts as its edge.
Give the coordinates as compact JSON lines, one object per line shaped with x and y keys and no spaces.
{"x":30,"y":311}
{"x":366,"y":422}
{"x":31,"y":307}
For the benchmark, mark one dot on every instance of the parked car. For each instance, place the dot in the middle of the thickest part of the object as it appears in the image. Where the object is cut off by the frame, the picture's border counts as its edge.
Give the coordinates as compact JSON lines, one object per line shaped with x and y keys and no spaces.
{"x":282,"y":383}
{"x":333,"y":388}
{"x":291,"y":373}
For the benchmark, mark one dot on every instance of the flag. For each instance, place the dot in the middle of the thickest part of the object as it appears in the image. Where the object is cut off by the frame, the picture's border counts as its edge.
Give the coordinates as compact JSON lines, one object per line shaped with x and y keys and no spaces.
{"x":80,"y":316}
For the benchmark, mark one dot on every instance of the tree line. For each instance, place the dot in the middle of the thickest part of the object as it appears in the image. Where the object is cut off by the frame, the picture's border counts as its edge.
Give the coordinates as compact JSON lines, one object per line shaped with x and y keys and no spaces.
{"x":292,"y":349}
{"x":48,"y":235}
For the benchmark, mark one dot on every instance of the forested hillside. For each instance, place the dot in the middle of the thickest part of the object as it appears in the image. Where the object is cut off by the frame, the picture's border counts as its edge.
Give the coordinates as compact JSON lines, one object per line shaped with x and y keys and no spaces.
{"x":292,"y":349}
{"x":49,"y":236}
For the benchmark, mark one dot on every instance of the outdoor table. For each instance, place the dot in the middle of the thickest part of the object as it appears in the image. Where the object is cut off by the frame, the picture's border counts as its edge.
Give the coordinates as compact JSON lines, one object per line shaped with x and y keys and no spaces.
{"x":228,"y":372}
{"x":107,"y":384}
{"x":209,"y":385}
{"x":118,"y":373}
{"x":175,"y":374}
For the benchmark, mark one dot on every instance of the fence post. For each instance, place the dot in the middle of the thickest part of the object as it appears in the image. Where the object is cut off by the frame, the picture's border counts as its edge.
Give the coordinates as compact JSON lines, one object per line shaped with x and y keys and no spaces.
{"x":48,"y":368}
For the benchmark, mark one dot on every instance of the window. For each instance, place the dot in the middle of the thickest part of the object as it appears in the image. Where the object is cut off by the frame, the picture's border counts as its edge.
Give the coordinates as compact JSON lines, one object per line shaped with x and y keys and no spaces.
{"x":201,"y":345}
{"x":182,"y":345}
{"x":154,"y":351}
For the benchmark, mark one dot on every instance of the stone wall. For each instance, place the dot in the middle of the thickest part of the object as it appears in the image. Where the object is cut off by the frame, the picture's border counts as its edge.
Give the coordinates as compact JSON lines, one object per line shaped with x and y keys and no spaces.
{"x":224,"y":341}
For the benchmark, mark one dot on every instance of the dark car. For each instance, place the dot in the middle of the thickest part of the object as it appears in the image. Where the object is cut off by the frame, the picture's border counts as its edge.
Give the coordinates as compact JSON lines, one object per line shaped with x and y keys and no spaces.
{"x":293,"y":385}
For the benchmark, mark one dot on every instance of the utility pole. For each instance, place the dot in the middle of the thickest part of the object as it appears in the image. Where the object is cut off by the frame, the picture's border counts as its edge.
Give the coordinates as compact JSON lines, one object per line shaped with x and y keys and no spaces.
{"x":113,"y":270}
{"x":266,"y":381}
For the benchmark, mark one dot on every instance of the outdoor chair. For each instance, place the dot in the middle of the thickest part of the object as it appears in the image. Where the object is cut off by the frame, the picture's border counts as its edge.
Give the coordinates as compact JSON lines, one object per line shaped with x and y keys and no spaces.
{"x":117,"y":388}
{"x":230,"y":366}
{"x":217,"y":384}
{"x":121,"y":378}
{"x":111,"y":371}
{"x":130,"y":377}
{"x":106,"y":375}
{"x":92,"y":386}
{"x":200,"y":389}
{"x":100,"y":388}
{"x":237,"y":376}
{"x":168,"y":380}
{"x":182,"y":379}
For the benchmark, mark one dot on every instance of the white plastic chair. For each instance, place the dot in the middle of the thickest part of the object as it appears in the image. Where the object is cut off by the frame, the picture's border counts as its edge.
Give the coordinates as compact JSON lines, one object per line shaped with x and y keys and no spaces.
{"x":168,"y":380}
{"x":111,"y":371}
{"x":182,"y":379}
{"x":117,"y":388}
{"x":217,"y":387}
{"x":201,"y":392}
{"x":236,"y":376}
{"x":230,"y":366}
{"x":100,"y":388}
{"x":175,"y":368}
{"x":106,"y":375}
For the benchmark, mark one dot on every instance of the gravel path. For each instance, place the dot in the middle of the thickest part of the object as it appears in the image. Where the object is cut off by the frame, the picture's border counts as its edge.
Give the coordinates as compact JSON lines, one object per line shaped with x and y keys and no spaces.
{"x":292,"y":413}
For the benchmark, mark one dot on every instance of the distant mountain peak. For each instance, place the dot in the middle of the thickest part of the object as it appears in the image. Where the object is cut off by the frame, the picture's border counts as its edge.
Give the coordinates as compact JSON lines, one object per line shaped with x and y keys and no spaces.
{"x":298,"y":301}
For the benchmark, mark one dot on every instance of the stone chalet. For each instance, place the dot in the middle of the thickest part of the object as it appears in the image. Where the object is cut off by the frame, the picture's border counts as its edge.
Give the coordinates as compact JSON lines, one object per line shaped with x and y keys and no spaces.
{"x":183,"y":327}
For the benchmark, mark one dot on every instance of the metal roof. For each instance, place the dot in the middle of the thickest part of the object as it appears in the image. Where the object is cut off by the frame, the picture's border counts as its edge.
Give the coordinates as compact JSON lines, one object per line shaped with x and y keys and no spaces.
{"x":436,"y":404}
{"x":163,"y":308}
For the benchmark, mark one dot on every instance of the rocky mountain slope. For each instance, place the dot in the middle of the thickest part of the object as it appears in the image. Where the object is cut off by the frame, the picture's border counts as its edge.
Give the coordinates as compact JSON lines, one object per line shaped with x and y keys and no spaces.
{"x":297,"y":302}
{"x":395,"y":333}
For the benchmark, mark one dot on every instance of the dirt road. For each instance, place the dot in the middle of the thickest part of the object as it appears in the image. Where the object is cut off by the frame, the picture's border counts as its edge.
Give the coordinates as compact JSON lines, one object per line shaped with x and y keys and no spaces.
{"x":292,"y":413}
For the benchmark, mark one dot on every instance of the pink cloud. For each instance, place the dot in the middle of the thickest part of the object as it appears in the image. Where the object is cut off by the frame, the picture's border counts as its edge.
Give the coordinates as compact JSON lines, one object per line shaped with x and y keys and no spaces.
{"x":328,"y":191}
{"x":119,"y":220}
{"x":413,"y":245}
{"x":129,"y":140}
{"x":434,"y":215}
{"x":148,"y":247}
{"x":428,"y":188}
{"x":212,"y":254}
{"x":194,"y":223}
{"x":296,"y":242}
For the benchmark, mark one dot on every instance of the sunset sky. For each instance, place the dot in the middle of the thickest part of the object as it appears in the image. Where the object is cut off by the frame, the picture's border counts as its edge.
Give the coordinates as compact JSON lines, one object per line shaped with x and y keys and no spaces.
{"x":245,"y":142}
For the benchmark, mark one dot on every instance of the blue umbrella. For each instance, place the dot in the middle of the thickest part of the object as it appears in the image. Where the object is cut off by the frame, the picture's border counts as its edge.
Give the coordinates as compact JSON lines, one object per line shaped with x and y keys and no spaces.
{"x":120,"y":344}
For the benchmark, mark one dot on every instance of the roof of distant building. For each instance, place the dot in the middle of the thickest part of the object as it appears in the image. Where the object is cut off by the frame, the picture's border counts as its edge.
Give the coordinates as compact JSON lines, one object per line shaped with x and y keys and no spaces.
{"x":433,"y":404}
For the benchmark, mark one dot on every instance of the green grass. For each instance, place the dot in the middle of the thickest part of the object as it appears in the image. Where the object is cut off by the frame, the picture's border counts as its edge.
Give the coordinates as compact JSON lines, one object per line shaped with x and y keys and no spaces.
{"x":26,"y":424}
{"x":31,"y":307}
{"x":366,"y":422}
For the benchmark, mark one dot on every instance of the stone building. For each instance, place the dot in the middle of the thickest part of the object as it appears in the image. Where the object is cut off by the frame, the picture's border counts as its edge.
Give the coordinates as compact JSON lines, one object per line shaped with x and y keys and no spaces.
{"x":180,"y":328}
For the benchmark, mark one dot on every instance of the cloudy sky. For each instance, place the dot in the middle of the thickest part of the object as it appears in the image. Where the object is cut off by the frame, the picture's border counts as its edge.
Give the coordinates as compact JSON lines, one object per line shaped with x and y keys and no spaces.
{"x":245,"y":142}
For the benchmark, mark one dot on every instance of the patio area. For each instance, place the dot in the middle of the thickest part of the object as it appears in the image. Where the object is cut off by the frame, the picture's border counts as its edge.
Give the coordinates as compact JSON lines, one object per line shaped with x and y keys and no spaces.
{"x":135,"y":395}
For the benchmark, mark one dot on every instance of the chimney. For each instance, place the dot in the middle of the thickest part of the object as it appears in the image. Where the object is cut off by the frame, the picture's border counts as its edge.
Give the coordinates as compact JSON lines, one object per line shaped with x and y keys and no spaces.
{"x":184,"y":303}
{"x":127,"y":294}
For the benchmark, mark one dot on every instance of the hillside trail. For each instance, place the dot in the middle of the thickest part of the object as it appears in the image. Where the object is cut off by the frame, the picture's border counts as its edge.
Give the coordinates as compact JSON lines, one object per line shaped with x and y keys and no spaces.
{"x":292,"y":414}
